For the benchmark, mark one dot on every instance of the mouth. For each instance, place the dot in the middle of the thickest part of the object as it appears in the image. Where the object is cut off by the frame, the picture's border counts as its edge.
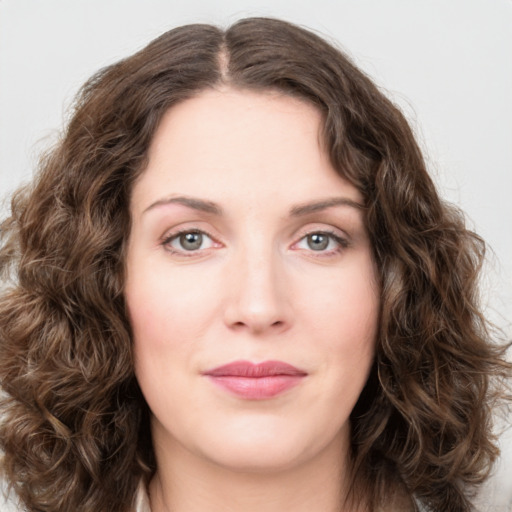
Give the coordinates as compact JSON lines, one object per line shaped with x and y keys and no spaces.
{"x":256,"y":381}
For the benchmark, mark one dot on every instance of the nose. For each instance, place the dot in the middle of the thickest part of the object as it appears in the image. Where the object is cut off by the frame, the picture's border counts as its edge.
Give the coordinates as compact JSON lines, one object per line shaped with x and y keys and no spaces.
{"x":258,"y":295}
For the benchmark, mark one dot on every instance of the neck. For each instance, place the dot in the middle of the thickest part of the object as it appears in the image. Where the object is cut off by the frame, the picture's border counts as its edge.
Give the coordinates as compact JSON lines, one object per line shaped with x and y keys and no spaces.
{"x":185,"y":482}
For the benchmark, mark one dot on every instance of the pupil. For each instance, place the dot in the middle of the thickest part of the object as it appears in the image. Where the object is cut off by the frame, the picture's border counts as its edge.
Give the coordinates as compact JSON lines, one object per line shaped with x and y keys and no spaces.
{"x":191,"y":241}
{"x":318,"y":242}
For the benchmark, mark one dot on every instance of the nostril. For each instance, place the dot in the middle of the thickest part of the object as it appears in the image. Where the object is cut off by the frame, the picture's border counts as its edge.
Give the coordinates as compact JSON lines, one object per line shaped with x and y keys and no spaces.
{"x":258,"y":326}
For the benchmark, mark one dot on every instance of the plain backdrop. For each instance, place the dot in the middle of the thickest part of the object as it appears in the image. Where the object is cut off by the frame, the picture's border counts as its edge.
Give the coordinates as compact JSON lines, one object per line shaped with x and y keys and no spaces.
{"x":447,"y":63}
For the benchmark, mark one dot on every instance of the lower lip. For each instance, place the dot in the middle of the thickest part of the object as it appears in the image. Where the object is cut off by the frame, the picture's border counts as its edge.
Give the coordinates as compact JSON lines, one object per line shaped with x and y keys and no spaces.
{"x":257,"y":388}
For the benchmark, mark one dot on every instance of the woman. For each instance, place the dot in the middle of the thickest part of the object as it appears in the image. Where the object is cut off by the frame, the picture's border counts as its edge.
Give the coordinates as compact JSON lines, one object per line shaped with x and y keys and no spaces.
{"x":234,"y":287}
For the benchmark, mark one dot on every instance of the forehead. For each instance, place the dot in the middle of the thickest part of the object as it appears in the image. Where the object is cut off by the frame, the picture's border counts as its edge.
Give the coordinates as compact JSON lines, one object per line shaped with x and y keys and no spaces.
{"x":231,"y":143}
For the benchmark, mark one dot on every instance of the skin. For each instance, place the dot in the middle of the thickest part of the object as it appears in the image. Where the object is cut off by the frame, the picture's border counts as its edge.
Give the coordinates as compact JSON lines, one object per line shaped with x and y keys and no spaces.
{"x":256,"y":289}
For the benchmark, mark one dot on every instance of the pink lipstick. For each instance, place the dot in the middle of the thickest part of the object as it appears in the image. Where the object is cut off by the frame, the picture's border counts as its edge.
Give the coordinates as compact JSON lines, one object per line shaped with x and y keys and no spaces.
{"x":256,"y":381}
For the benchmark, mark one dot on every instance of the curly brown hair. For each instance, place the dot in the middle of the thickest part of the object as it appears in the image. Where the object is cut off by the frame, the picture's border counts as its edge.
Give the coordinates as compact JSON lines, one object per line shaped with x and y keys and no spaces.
{"x":74,"y":427}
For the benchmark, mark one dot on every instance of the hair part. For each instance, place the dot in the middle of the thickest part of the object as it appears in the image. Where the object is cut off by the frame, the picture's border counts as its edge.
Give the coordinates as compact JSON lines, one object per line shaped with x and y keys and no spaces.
{"x":75,"y":427}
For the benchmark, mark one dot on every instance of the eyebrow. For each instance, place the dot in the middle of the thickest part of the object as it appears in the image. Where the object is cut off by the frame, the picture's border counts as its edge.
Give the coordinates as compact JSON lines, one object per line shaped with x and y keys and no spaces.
{"x":296,"y":211}
{"x":190,"y":202}
{"x":317,"y":206}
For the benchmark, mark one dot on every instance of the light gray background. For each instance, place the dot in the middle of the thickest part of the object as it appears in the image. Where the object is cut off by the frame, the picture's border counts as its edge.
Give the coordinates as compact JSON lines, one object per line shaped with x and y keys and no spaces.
{"x":447,"y":63}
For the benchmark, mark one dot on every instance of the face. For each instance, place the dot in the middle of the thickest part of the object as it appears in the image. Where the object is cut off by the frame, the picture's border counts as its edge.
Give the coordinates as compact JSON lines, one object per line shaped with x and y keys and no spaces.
{"x":251,"y":287}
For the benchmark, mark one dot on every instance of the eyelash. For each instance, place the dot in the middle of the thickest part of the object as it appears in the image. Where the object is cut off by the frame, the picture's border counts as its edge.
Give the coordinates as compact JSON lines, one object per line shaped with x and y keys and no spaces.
{"x":176,"y":235}
{"x":342,"y":243}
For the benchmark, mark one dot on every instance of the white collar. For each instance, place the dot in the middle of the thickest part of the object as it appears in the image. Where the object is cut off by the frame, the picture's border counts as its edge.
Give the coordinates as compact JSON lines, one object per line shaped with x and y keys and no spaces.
{"x":142,"y":499}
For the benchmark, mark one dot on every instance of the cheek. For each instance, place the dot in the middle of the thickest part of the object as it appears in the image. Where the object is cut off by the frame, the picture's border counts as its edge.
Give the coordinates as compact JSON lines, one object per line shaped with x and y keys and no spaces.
{"x":165,"y":307}
{"x":170,"y":314}
{"x":167,"y":323}
{"x":343,"y":319}
{"x":345,"y":307}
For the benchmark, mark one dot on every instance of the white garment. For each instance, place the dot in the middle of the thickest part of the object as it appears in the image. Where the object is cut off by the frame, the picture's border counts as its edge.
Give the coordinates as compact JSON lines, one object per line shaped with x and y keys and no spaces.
{"x":142,"y":499}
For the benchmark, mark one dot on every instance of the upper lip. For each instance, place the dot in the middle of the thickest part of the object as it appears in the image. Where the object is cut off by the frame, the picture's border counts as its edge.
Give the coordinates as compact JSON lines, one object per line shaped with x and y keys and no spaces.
{"x":254,"y":370}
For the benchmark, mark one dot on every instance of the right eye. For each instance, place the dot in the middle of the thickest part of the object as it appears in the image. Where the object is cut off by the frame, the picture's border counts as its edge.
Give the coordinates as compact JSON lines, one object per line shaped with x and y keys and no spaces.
{"x":188,"y":241}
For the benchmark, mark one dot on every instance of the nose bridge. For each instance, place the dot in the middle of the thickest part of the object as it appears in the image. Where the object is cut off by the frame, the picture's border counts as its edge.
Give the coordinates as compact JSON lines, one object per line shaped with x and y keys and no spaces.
{"x":258,"y":284}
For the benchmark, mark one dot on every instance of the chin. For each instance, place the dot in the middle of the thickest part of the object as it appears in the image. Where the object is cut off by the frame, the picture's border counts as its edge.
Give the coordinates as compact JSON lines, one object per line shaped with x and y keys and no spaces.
{"x":267,"y":448}
{"x":269,"y":458}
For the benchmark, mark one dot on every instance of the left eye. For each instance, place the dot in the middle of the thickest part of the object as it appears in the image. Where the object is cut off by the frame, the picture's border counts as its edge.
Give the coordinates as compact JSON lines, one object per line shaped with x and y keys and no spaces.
{"x":188,"y":241}
{"x":320,"y":241}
